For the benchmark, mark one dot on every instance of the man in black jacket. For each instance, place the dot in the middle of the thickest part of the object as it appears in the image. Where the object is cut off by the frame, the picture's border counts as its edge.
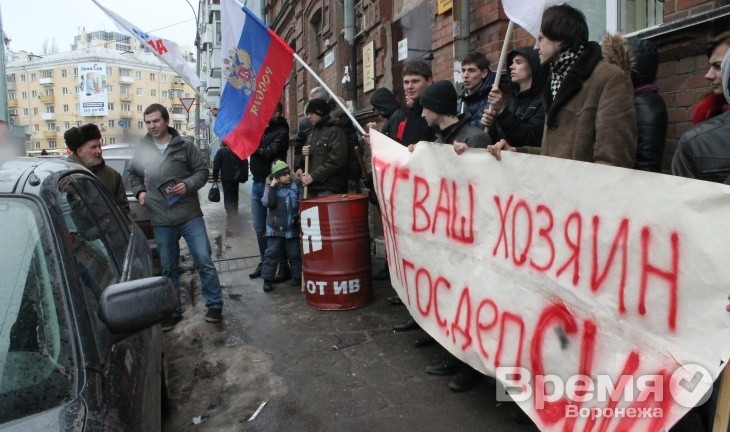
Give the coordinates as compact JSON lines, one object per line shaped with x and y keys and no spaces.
{"x":231,"y":169}
{"x":703,"y":152}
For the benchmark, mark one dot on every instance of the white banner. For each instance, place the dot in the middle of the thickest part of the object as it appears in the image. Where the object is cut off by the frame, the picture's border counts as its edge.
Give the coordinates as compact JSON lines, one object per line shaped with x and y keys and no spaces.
{"x":595,"y":294}
{"x":166,"y":50}
{"x":528,"y":13}
{"x":92,"y":89}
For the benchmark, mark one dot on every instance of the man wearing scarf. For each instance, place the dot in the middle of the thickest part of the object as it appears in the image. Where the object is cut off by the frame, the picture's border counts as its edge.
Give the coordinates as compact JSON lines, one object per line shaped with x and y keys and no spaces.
{"x":589,"y":106}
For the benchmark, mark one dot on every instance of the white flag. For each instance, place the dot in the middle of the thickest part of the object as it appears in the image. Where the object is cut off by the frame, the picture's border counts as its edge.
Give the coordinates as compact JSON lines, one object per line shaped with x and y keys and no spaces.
{"x":166,"y":50}
{"x":528,"y":13}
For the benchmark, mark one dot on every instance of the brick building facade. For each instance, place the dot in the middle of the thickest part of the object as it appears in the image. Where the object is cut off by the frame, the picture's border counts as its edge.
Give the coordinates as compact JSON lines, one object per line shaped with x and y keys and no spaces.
{"x":318,"y":32}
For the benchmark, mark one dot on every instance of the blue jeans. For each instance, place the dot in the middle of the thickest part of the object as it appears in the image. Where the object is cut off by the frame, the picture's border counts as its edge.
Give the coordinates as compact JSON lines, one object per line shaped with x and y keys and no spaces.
{"x":196,"y":237}
{"x":258,"y":213}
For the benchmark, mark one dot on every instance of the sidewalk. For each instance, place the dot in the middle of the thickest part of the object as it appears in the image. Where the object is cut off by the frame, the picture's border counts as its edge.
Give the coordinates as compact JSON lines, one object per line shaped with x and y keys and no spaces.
{"x":316,"y":370}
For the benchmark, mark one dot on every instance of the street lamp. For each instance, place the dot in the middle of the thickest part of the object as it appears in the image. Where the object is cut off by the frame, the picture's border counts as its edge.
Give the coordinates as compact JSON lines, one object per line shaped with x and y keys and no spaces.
{"x":197,"y":71}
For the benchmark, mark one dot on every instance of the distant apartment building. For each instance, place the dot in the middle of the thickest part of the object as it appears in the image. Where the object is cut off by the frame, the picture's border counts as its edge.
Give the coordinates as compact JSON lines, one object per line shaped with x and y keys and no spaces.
{"x":106,"y":79}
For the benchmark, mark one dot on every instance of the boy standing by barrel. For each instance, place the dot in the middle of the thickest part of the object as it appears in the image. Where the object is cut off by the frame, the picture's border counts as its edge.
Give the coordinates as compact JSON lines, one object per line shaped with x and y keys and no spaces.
{"x":281,"y":198}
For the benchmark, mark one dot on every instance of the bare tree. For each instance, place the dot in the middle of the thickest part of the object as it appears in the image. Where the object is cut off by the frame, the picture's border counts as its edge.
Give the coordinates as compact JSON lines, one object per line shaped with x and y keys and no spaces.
{"x":49,"y":46}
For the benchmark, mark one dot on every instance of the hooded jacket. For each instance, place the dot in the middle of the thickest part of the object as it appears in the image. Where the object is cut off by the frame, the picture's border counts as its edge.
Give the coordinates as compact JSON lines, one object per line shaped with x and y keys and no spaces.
{"x":522,"y":121}
{"x":182,"y":162}
{"x":703,"y":152}
{"x":274,"y":145}
{"x":385,"y":102}
{"x":473,"y":104}
{"x":639,"y":59}
{"x":592,"y":117}
{"x":416,"y":128}
{"x":327,"y":156}
{"x":110,"y":178}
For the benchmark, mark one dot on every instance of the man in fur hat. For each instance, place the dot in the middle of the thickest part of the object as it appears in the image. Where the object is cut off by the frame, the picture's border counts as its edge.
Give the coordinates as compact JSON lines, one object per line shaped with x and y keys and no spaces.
{"x":85,"y":143}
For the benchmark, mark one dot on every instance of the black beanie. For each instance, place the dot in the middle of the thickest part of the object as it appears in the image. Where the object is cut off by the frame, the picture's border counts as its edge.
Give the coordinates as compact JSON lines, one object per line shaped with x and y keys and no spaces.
{"x":317,"y":106}
{"x":78,"y":136}
{"x":440,"y":97}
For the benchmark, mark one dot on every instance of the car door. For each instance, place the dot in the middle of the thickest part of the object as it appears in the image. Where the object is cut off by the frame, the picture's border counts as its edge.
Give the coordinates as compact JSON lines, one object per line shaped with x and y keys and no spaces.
{"x":115,"y":250}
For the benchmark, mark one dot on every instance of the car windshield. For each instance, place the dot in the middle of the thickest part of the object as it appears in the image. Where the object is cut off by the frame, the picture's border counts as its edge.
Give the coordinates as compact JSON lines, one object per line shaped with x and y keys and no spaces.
{"x":36,"y":366}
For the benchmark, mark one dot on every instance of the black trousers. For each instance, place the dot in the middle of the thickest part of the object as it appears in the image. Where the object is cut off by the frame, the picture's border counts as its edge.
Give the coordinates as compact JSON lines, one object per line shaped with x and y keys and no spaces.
{"x":230,"y":197}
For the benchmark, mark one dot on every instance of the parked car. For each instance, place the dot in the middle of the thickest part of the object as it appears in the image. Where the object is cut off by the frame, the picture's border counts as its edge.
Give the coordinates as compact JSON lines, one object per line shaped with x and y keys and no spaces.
{"x":119,"y":156}
{"x":80,"y":341}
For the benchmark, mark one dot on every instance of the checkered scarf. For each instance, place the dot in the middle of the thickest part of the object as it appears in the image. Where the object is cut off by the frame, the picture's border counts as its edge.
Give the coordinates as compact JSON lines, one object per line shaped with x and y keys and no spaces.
{"x":561,"y":67}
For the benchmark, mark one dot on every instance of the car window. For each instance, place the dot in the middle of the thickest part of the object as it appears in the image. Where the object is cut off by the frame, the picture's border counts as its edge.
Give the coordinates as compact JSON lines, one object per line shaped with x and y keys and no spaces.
{"x":36,"y":362}
{"x":95,"y":261}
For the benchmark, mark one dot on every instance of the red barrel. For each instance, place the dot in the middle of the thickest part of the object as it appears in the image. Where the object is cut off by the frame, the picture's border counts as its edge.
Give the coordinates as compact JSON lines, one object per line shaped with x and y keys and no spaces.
{"x":336,"y":252}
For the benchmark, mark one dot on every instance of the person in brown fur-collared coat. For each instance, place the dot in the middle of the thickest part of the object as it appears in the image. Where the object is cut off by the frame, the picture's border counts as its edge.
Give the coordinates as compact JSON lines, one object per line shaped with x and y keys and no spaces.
{"x":589,"y":103}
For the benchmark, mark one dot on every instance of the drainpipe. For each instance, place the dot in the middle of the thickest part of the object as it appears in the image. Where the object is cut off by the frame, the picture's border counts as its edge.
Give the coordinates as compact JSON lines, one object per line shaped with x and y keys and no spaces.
{"x":349,"y":24}
{"x":461,"y":33}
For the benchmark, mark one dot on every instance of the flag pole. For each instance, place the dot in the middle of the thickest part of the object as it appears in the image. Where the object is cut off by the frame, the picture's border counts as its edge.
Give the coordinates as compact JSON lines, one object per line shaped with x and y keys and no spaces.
{"x":331,"y":93}
{"x":502,"y":58}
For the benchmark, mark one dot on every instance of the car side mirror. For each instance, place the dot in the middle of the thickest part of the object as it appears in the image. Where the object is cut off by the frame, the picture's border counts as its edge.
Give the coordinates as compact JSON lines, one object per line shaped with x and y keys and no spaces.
{"x":133,"y":306}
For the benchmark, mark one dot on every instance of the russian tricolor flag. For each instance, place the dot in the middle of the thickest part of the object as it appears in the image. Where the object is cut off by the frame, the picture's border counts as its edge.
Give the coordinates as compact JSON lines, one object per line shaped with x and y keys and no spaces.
{"x":256,"y":65}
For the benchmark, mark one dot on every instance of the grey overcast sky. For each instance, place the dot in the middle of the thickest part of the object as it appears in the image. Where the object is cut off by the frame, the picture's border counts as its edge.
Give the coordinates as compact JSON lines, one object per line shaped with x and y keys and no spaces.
{"x":31,"y":22}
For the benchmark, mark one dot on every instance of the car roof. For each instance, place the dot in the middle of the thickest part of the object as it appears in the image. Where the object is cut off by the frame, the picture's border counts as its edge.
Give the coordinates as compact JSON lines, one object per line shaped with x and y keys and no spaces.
{"x":117,"y":151}
{"x":16,"y":171}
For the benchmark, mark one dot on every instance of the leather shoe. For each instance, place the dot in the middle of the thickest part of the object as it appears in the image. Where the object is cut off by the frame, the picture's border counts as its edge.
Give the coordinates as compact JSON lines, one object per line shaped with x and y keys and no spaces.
{"x":256,"y":273}
{"x":465,"y":380}
{"x":408,"y":325}
{"x":282,"y":274}
{"x":448,"y":366}
{"x":424,"y":341}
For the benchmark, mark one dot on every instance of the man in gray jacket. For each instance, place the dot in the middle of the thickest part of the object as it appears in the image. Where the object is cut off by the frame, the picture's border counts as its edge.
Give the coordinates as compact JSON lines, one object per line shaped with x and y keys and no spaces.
{"x":166,"y":173}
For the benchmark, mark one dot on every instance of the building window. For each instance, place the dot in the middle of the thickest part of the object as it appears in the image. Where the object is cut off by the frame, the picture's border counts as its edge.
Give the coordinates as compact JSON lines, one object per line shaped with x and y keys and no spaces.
{"x":49,"y":92}
{"x":25,"y":112}
{"x":138,"y":75}
{"x":110,"y":88}
{"x":50,"y":109}
{"x":63,"y":73}
{"x":140,"y":108}
{"x":11,"y":95}
{"x":66,"y":125}
{"x":22,"y":77}
{"x":35,"y":111}
{"x":65,"y":109}
{"x":64,"y":91}
{"x":163,"y":77}
{"x":125,"y":72}
{"x":153,"y":93}
{"x":109,"y":71}
{"x":36,"y":128}
{"x":164,"y":94}
{"x":51,"y":126}
{"x":47,"y":73}
{"x":76,"y":72}
{"x":34,"y":94}
{"x":217,"y":28}
{"x":111,"y":123}
{"x":78,"y":123}
{"x":139,"y":92}
{"x":110,"y":106}
{"x":126,"y":107}
{"x":52,"y":144}
{"x":32,"y":77}
{"x":24,"y":95}
{"x":140,"y":125}
{"x":112,"y":140}
{"x":152,"y":77}
{"x":314,"y":34}
{"x":623,"y":16}
{"x":37,"y":144}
